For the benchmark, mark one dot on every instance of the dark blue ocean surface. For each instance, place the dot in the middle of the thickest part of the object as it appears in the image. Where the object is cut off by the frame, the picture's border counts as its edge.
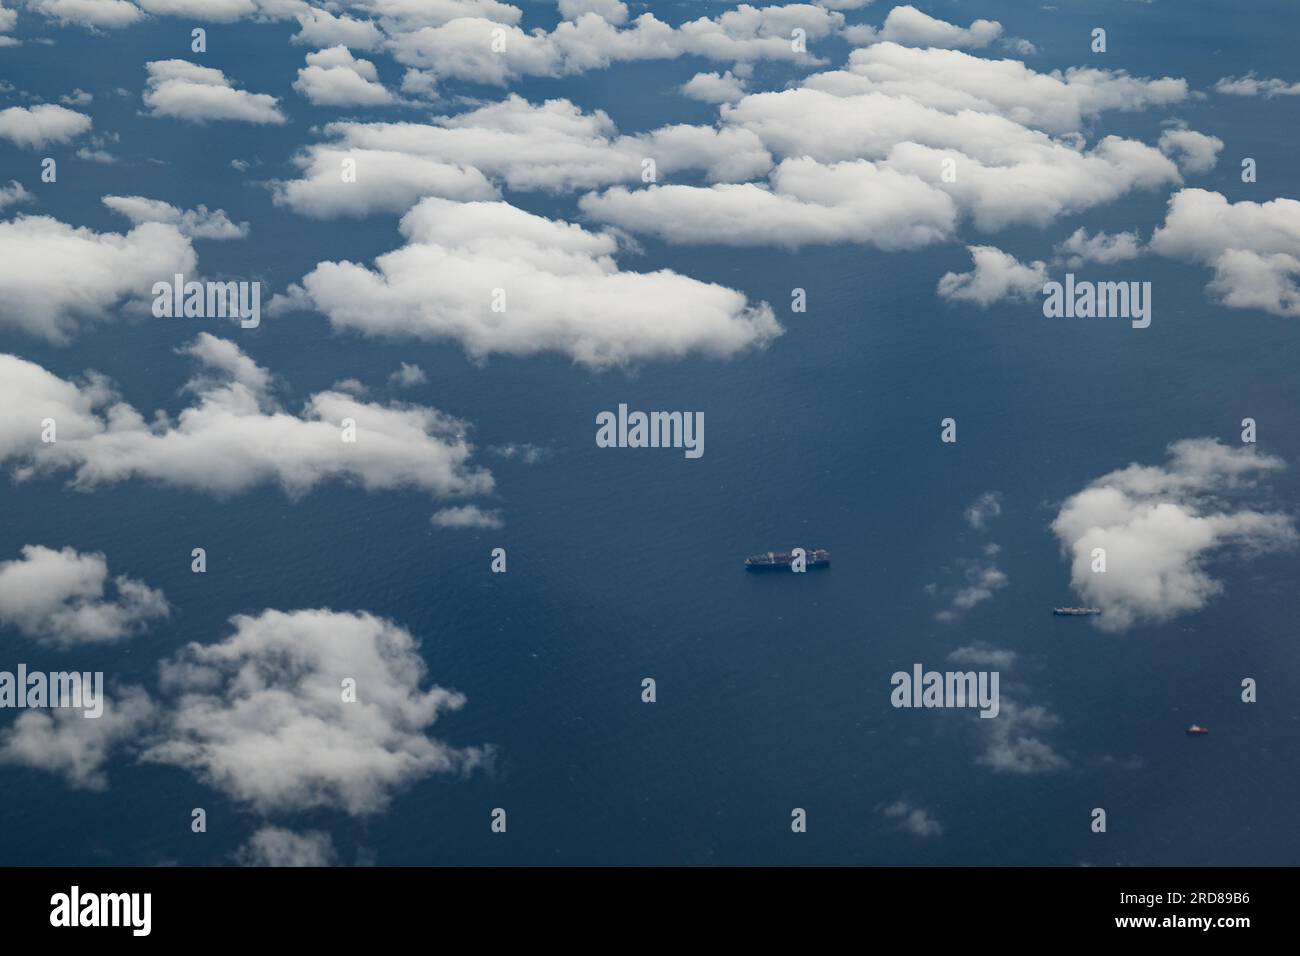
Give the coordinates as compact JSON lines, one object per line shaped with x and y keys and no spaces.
{"x":773,"y":691}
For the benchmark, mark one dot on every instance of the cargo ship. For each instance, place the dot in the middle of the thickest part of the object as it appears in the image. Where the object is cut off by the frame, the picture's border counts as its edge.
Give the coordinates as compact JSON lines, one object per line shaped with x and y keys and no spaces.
{"x":780,"y":560}
{"x":1075,"y":611}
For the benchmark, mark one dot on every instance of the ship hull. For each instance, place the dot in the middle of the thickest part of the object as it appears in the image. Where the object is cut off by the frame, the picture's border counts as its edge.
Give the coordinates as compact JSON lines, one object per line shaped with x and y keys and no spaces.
{"x":784,"y":566}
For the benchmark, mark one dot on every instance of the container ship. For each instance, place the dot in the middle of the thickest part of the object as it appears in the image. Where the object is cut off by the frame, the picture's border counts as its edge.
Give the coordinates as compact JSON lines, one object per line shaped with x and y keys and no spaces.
{"x":780,"y":560}
{"x":1075,"y":611}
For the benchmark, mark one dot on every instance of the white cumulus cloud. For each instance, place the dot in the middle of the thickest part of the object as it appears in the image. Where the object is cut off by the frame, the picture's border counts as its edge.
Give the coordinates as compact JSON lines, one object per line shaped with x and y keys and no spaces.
{"x":261,"y":715}
{"x":1161,"y":526}
{"x":563,"y":292}
{"x":200,"y":94}
{"x":34,"y":127}
{"x":64,"y":598}
{"x":997,"y":276}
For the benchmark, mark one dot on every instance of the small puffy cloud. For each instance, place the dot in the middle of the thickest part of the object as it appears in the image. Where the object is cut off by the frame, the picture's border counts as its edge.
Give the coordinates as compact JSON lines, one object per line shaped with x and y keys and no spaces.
{"x":216,"y":11}
{"x":915,"y":820}
{"x":408,"y":375}
{"x":334,"y":77}
{"x":233,"y":437}
{"x":226,"y":360}
{"x":38,"y":254}
{"x":13,"y":194}
{"x":64,"y":742}
{"x":34,"y":127}
{"x":320,"y":29}
{"x":95,"y":155}
{"x":65,"y":598}
{"x":1081,"y":248}
{"x":1253,"y":248}
{"x":1160,"y":526}
{"x":611,"y":11}
{"x":467,"y":516}
{"x":997,"y":276}
{"x":1018,"y":46}
{"x":276,"y":846}
{"x":1194,"y":152}
{"x":556,"y":285}
{"x":908,"y":26}
{"x":983,"y":509}
{"x":261,"y":715}
{"x":714,"y":87}
{"x":398,"y":16}
{"x":1252,"y":85}
{"x":200,"y":94}
{"x":353,"y":386}
{"x":77,"y":97}
{"x":196,"y":223}
{"x":420,"y":86}
{"x":106,"y":14}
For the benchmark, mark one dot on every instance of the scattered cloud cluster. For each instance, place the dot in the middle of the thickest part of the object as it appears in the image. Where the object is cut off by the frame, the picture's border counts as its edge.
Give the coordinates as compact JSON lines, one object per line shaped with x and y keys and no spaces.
{"x":552,"y":146}
{"x":979,"y":578}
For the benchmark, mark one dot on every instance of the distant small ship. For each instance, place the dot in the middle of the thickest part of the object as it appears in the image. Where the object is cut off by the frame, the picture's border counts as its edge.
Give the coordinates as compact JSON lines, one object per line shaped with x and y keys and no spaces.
{"x":1075,"y":611}
{"x":1196,"y":730}
{"x":780,"y":560}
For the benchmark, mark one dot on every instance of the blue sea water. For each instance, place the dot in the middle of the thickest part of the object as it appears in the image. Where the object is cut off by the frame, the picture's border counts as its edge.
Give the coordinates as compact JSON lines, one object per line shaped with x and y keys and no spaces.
{"x":773,"y":691}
